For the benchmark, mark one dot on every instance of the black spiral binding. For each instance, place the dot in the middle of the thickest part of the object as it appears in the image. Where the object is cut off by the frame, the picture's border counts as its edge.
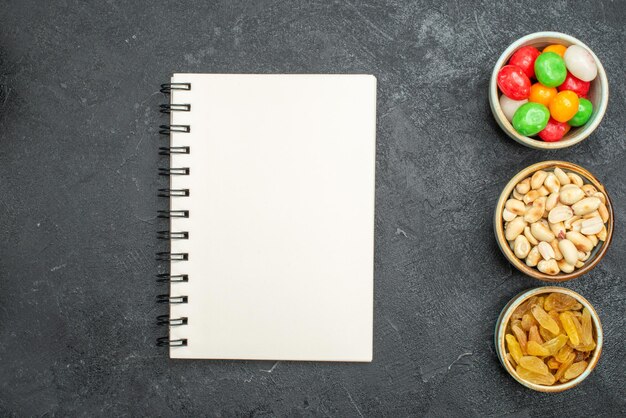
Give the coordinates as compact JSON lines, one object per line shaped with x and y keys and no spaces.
{"x":168,"y":129}
{"x":173,"y":150}
{"x":173,"y":214}
{"x":167,"y":278}
{"x":169,"y":108}
{"x":168,"y":87}
{"x":169,"y":235}
{"x":173,"y":192}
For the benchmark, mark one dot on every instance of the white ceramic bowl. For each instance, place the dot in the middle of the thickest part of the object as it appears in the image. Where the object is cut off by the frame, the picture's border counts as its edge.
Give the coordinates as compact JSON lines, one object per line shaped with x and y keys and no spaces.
{"x":598,"y":93}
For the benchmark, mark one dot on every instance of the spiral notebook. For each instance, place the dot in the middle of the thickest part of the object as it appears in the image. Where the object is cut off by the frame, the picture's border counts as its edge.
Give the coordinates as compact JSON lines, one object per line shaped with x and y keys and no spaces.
{"x":271,"y":216}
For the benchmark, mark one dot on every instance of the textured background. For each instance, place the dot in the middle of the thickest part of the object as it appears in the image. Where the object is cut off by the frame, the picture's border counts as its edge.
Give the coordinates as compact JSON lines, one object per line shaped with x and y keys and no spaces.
{"x":78,"y":122}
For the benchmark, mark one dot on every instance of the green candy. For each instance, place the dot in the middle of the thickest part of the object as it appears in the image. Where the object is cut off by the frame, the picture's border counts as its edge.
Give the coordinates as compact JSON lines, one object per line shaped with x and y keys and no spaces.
{"x":550,"y":69}
{"x":530,"y":118}
{"x":585,"y":108}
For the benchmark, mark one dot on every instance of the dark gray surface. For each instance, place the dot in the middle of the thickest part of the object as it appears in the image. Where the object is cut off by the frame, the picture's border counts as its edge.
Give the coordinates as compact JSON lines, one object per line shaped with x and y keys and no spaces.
{"x":78,"y":123}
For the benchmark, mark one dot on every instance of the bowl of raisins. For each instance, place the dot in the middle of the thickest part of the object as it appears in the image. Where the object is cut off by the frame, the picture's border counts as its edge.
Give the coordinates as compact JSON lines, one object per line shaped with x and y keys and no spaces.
{"x":549,"y":338}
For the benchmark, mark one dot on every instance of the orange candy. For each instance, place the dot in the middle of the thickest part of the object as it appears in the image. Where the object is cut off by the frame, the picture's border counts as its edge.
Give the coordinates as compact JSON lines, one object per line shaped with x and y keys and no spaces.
{"x":564,"y":106}
{"x":542,"y":94}
{"x":557,"y":49}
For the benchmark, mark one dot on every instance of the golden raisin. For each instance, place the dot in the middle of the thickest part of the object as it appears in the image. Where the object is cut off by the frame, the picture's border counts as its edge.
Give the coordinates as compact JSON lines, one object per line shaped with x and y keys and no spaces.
{"x":524,"y":308}
{"x":521,"y":337}
{"x":553,"y":364}
{"x":536,"y":349}
{"x":567,"y":319}
{"x":514,"y":348}
{"x":561,"y":302}
{"x":544,"y":319}
{"x":534,"y":364}
{"x":575,"y":370}
{"x":587,"y":327}
{"x":550,"y":339}
{"x":555,"y":344}
{"x":528,"y":321}
{"x":563,"y":353}
{"x":537,"y":378}
{"x":564,"y":366}
{"x":533,"y":335}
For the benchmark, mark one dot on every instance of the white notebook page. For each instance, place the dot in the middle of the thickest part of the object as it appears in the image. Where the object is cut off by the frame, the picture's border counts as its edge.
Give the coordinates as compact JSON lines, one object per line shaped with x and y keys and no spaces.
{"x":281,"y":216}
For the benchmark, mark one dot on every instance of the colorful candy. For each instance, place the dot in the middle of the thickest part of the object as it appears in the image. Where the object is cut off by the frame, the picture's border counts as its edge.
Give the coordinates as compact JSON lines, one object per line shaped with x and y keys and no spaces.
{"x":513,"y":82}
{"x":558,"y":98}
{"x":531,"y":118}
{"x":510,"y":106}
{"x":564,"y":106}
{"x":556,"y":48}
{"x":550,"y":69}
{"x":554,"y":131}
{"x":585,"y":108}
{"x":581,"y":88}
{"x":525,"y":58}
{"x":580,"y":63}
{"x":542,"y":94}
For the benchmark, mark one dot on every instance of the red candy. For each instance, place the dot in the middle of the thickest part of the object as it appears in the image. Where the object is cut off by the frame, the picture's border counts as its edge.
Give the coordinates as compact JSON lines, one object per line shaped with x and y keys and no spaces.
{"x":513,"y":82}
{"x":554,"y":131}
{"x":581,"y":88}
{"x":525,"y":59}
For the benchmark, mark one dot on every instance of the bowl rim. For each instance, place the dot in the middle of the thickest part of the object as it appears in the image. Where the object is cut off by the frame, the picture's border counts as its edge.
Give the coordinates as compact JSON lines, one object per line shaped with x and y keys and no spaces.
{"x":505,"y":317}
{"x":505,"y":125}
{"x":499,"y":222}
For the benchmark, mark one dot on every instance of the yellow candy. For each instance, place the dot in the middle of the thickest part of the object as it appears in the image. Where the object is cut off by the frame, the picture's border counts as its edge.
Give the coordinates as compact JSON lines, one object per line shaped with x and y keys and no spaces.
{"x":557,"y":49}
{"x":544,"y":319}
{"x":542,"y":94}
{"x":564,"y":106}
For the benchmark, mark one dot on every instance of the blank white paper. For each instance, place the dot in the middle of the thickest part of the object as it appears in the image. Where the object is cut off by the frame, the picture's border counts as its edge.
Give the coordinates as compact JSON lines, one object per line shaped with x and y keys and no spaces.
{"x":281,"y":216}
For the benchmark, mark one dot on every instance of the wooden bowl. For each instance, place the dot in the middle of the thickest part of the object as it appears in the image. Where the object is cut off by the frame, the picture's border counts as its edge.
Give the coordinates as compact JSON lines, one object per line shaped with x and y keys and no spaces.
{"x":598,"y":93}
{"x":503,"y":321}
{"x":498,"y":222}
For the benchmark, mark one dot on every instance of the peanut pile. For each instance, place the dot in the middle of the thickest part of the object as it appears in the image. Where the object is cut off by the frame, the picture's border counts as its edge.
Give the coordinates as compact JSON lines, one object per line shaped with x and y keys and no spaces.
{"x":553,"y":220}
{"x":549,"y":339}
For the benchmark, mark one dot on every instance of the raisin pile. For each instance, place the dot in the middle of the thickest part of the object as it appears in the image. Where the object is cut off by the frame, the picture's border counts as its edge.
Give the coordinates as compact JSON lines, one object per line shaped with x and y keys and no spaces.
{"x":549,"y":339}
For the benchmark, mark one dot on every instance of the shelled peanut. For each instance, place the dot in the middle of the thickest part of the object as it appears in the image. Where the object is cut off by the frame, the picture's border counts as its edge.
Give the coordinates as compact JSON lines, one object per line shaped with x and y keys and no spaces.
{"x":553,"y":220}
{"x":549,"y":339}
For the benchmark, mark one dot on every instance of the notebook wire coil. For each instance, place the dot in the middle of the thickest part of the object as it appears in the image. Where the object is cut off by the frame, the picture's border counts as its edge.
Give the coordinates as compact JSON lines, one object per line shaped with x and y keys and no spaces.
{"x":167,"y":235}
{"x":169,"y":108}
{"x":173,"y":192}
{"x":168,"y":129}
{"x":168,"y":87}
{"x":173,"y":150}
